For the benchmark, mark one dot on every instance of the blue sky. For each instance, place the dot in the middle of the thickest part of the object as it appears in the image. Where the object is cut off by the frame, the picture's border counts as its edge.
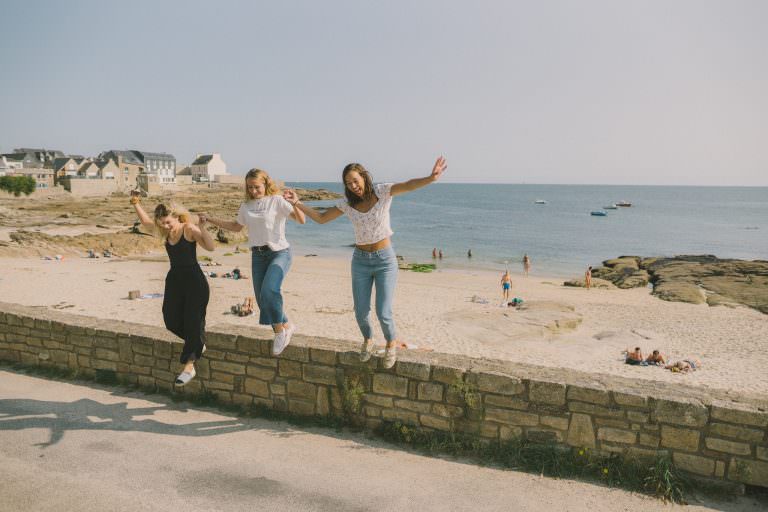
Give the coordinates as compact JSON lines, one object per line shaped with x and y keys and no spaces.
{"x":615,"y":92}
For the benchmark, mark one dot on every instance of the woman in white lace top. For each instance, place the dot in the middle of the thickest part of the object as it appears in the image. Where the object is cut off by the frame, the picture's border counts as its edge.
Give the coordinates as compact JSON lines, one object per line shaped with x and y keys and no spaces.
{"x":373,"y":261}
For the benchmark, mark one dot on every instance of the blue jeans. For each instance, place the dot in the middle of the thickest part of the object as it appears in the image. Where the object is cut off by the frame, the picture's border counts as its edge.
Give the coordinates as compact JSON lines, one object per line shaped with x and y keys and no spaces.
{"x":269,"y":268}
{"x":378,"y":267}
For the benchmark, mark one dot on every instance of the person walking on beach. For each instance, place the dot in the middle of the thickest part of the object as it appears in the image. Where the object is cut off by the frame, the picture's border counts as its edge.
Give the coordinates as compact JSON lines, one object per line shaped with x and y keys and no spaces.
{"x":440,"y":254}
{"x":186,"y":294}
{"x":506,"y":285}
{"x":373,"y":260}
{"x":264,"y":213}
{"x":469,"y":253}
{"x":434,"y":253}
{"x":588,"y":278}
{"x":526,"y":264}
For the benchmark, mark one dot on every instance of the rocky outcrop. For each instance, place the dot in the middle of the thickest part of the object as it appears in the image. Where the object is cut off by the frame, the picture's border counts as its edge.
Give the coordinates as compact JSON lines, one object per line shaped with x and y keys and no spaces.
{"x":696,"y":279}
{"x":596,"y":283}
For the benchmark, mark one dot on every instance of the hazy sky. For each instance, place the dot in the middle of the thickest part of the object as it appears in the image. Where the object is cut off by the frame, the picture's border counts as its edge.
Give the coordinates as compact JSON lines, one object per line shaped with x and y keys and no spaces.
{"x":617,"y":92}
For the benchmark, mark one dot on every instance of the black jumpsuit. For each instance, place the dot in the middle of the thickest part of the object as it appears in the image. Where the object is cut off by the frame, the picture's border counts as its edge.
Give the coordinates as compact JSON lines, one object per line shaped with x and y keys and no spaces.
{"x":186,"y":297}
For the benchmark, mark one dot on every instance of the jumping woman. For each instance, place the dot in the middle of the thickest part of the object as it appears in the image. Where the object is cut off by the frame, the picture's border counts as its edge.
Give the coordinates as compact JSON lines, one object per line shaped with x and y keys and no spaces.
{"x":264,"y":212}
{"x":373,"y":260}
{"x":186,"y":288}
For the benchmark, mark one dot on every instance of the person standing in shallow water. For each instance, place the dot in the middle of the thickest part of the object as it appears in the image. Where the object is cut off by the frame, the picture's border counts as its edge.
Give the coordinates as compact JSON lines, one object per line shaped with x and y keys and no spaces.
{"x":186,"y":289}
{"x":373,"y":260}
{"x":526,"y":264}
{"x":264,"y":213}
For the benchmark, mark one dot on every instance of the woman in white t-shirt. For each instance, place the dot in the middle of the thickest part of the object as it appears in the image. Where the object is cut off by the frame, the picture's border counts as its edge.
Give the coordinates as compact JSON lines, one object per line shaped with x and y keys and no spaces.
{"x":264,"y":213}
{"x":374,"y":260}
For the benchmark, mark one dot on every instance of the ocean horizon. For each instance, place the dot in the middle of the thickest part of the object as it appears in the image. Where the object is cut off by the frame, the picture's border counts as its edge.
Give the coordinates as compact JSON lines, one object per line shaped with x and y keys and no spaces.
{"x":502,"y":222}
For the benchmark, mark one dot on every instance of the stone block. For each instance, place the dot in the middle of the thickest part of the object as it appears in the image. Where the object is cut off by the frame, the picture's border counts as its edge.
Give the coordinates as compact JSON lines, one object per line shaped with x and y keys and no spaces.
{"x":381,"y":401}
{"x":323,"y":356}
{"x":544,"y":436}
{"x":592,"y":395}
{"x":447,"y":375}
{"x":615,"y":435}
{"x":719,"y":469}
{"x":227,"y":367}
{"x":260,"y":372}
{"x":506,"y":402}
{"x":320,"y":374}
{"x":749,"y":435}
{"x":684,"y":411}
{"x":762,"y":452}
{"x":237,"y":358}
{"x":447,"y":411}
{"x":142,"y":360}
{"x":220,"y":341}
{"x":741,"y":414}
{"x":371,"y":411}
{"x":512,"y":417}
{"x":551,"y":393}
{"x":418,"y":371}
{"x":435,"y":422}
{"x":322,"y":403}
{"x":107,"y":355}
{"x":751,"y":472}
{"x":680,"y":438}
{"x":290,"y":369}
{"x":299,"y":389}
{"x":649,"y":440}
{"x":596,"y":410}
{"x":638,"y":417}
{"x":100,"y":364}
{"x":227,"y":378}
{"x":276,"y":389}
{"x":612,"y":422}
{"x":386,"y":384}
{"x":266,"y":362}
{"x":141,"y":347}
{"x":694,"y":464}
{"x":413,"y":406}
{"x":554,"y":422}
{"x":722,"y":445}
{"x":497,"y":383}
{"x":240,"y":399}
{"x":430,"y":391}
{"x":248,"y":345}
{"x":489,"y":431}
{"x":581,"y":432}
{"x":507,"y":433}
{"x":301,"y":407}
{"x":296,"y":353}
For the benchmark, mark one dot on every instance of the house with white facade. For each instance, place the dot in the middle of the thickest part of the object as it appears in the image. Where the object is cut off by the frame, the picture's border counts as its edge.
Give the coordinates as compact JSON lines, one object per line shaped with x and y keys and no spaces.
{"x":207,"y":167}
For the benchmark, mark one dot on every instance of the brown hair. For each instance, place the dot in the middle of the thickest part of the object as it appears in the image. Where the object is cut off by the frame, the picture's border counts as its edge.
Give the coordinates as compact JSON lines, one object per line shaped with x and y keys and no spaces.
{"x":175,"y":210}
{"x":270,"y":188}
{"x":352,"y":198}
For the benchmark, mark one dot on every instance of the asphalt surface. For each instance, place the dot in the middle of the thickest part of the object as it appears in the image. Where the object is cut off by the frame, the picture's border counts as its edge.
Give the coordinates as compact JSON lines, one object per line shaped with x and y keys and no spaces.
{"x":73,"y":446}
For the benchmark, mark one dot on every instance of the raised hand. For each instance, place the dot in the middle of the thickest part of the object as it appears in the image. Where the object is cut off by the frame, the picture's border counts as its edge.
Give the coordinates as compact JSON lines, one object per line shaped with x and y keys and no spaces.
{"x":291,"y":196}
{"x":135,"y":197}
{"x":439,"y":167}
{"x":202,"y":218}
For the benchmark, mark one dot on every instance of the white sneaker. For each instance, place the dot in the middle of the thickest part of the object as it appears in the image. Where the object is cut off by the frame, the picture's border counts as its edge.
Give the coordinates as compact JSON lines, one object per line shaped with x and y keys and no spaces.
{"x":185,"y":377}
{"x":390,"y":356}
{"x":289,"y":330}
{"x":280,"y":342}
{"x":366,"y":351}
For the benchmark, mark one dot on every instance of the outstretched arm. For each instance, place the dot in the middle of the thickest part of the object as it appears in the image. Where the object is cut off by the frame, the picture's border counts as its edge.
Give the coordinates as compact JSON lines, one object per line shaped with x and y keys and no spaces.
{"x":416,"y":183}
{"x":313,"y":213}
{"x":297,"y":214}
{"x":143,"y":217}
{"x":229,"y":225}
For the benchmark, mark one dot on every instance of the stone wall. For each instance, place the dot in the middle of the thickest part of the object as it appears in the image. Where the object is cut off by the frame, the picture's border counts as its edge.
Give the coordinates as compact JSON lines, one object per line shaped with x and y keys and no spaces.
{"x":711,"y":434}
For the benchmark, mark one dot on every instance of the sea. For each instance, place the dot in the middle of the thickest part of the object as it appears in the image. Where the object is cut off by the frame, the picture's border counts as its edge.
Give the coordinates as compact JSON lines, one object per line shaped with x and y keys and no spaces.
{"x":500,"y":223}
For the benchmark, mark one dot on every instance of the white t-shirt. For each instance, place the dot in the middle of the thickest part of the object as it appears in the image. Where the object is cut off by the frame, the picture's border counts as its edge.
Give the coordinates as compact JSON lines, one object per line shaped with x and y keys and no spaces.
{"x":373,"y":225}
{"x":265,"y":220}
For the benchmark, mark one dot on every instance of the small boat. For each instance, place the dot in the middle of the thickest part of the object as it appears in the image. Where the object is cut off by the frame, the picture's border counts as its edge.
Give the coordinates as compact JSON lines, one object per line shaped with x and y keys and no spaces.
{"x":540,"y":201}
{"x":611,"y":207}
{"x":599,"y":213}
{"x":625,"y":204}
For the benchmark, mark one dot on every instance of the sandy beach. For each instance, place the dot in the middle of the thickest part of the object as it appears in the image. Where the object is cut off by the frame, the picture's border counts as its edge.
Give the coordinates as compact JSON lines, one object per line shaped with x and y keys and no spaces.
{"x":445,"y":311}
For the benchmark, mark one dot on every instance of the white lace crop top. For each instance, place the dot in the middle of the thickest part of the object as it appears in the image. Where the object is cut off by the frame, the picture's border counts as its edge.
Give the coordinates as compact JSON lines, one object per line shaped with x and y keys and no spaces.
{"x":373,"y":225}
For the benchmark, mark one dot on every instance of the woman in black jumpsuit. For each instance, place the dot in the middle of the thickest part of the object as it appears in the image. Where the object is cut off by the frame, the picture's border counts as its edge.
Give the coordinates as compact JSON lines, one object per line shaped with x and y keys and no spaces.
{"x":186,"y":288}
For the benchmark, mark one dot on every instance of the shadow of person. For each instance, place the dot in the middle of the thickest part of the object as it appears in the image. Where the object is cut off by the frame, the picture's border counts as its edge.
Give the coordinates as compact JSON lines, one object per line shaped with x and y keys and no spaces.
{"x":86,"y":414}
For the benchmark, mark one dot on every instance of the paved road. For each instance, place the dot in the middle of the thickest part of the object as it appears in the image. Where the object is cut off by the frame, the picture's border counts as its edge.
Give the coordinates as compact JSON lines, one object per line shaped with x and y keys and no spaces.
{"x":67,"y":446}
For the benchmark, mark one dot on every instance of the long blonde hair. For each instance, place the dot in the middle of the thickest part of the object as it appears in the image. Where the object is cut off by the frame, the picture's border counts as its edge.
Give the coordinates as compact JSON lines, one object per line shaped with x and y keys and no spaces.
{"x":175,"y":210}
{"x":270,"y":187}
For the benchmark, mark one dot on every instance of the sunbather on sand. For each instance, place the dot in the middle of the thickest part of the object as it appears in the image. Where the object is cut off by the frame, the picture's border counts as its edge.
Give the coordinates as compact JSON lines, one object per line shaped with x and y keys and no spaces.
{"x":656,"y":358}
{"x":685,"y":365}
{"x":635,"y":357}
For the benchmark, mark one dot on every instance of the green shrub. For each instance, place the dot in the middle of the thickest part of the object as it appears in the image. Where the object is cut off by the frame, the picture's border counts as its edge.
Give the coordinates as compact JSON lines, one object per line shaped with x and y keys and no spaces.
{"x":18,"y":185}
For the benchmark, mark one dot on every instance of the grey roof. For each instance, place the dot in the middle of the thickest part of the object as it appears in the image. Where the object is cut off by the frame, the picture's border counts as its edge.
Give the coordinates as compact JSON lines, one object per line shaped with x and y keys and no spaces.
{"x":202,"y":159}
{"x":58,"y":163}
{"x":19,"y":157}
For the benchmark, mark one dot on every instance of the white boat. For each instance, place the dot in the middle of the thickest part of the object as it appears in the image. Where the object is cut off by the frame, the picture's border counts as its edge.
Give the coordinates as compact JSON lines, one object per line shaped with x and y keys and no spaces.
{"x":625,"y":204}
{"x":611,"y":207}
{"x":540,"y":201}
